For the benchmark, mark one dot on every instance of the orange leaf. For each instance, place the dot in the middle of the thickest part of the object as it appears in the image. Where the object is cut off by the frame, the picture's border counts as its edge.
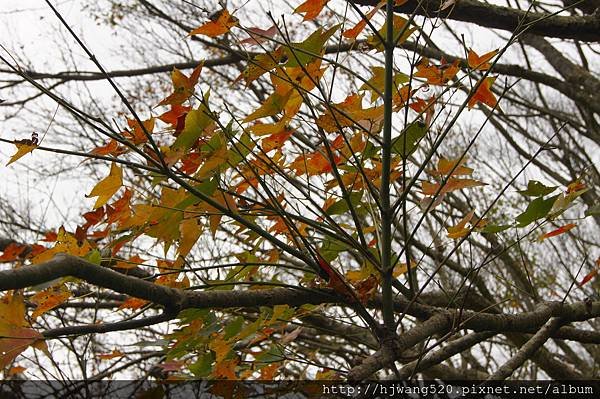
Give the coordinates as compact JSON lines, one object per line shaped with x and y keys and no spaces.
{"x":311,"y":8}
{"x":588,"y":277}
{"x":451,"y":185}
{"x":445,"y":165}
{"x":190,"y":230}
{"x":436,"y":75}
{"x":219,"y":24}
{"x":16,"y":370}
{"x":276,"y":140}
{"x":559,"y":231}
{"x":133,"y":303}
{"x":173,"y":115}
{"x":49,"y":299}
{"x":225,"y":369}
{"x":269,"y":372}
{"x":137,"y":135}
{"x":111,"y":355}
{"x":360,"y":26}
{"x":134,"y":261}
{"x":484,"y":94}
{"x":111,"y":148}
{"x":108,"y":186}
{"x":183,"y":88}
{"x":313,"y":164}
{"x":12,"y":252}
{"x":480,"y":62}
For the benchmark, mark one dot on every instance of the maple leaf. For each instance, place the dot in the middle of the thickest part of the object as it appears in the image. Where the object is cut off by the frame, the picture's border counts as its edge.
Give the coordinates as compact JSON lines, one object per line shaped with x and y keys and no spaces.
{"x":460,"y":229}
{"x":451,"y":185}
{"x":108,"y":186}
{"x":401,"y":33}
{"x":445,"y":165}
{"x":175,"y":115}
{"x":219,"y":24}
{"x":436,"y":75}
{"x":484,"y":94}
{"x":305,"y":52}
{"x":93,"y":217}
{"x":137,"y":135}
{"x":311,"y":8}
{"x":261,"y":64}
{"x":313,"y":164}
{"x":276,"y":140}
{"x":15,"y":332}
{"x":110,"y":148}
{"x":133,"y":303}
{"x":480,"y":62}
{"x":12,"y":252}
{"x":49,"y":299}
{"x":190,"y":230}
{"x":23,"y":148}
{"x":258,"y":35}
{"x":376,"y":84}
{"x":273,"y":105}
{"x":353,"y":32}
{"x":183,"y":86}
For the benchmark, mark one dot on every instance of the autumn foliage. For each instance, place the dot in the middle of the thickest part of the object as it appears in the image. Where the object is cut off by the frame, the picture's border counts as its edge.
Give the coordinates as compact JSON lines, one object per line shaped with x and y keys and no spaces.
{"x":294,"y":191}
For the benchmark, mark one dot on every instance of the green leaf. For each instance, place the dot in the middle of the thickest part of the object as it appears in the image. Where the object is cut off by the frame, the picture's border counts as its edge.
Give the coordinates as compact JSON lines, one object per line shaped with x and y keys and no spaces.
{"x":400,"y":33}
{"x":405,"y":144}
{"x":370,"y":151}
{"x":375,"y":85}
{"x":272,"y":355}
{"x":341,"y":206}
{"x":537,"y":209}
{"x":232,"y":329}
{"x":537,"y":189}
{"x":207,"y":187}
{"x":240,"y":149}
{"x":305,"y":52}
{"x":94,"y":257}
{"x":331,"y":248}
{"x":203,"y":366}
{"x":195,"y":122}
{"x":593,"y":210}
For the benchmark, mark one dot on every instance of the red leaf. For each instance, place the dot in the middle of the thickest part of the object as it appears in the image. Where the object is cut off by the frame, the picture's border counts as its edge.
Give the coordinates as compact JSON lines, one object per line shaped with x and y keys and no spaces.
{"x":559,"y":231}
{"x":258,"y":35}
{"x":12,"y":252}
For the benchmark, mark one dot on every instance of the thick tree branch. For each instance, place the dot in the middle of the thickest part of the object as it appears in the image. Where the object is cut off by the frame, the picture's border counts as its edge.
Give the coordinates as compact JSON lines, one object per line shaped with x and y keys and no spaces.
{"x":583,"y":28}
{"x":527,"y":350}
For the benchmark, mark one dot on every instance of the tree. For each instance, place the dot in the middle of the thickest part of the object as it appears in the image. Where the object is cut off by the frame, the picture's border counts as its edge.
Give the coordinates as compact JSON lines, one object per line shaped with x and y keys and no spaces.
{"x":364,"y":193}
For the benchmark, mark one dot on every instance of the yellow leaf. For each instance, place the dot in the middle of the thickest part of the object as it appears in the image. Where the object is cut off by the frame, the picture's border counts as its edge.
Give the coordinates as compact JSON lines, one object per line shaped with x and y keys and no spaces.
{"x":216,"y":159}
{"x":22,"y":149}
{"x":108,"y":186}
{"x":461,"y":229}
{"x":190,"y":230}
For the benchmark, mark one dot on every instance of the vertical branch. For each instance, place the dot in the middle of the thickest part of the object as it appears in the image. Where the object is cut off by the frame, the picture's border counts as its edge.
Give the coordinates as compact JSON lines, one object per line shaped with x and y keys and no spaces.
{"x":386,"y":153}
